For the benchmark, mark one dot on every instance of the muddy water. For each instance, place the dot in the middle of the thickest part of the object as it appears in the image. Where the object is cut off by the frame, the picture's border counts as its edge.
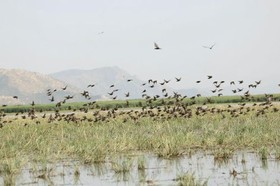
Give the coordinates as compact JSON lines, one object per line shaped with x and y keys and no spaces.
{"x":250,"y":170}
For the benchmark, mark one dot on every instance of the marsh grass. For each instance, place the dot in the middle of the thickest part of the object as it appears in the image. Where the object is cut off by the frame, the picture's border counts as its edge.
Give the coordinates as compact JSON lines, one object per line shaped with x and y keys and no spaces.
{"x":141,"y":161}
{"x":188,"y":179}
{"x":92,"y":143}
{"x":122,"y":166}
{"x":263,"y":152}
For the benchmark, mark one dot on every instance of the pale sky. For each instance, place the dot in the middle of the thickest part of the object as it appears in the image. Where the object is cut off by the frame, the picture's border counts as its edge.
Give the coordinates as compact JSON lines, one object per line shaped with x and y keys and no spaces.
{"x":54,"y":35}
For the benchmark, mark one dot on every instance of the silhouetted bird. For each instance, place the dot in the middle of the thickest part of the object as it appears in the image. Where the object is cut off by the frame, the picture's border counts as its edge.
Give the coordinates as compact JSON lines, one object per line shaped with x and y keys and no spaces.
{"x":129,"y":80}
{"x":156,"y":46}
{"x":127,"y":94}
{"x":111,"y":93}
{"x":64,"y":88}
{"x":240,"y":82}
{"x":198,"y":81}
{"x":90,"y":85}
{"x":166,"y":81}
{"x":232,"y":83}
{"x":52,"y":99}
{"x":210,"y":47}
{"x":209,"y":77}
{"x":258,"y":82}
{"x":178,"y":79}
{"x":15,"y":97}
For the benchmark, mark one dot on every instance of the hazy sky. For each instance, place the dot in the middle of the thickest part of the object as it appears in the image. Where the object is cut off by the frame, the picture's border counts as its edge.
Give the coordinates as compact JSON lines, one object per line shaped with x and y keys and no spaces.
{"x":54,"y":35}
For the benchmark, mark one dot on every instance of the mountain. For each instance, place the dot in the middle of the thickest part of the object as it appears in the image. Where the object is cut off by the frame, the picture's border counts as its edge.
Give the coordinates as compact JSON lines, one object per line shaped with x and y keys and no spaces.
{"x":103,"y":78}
{"x":30,"y":86}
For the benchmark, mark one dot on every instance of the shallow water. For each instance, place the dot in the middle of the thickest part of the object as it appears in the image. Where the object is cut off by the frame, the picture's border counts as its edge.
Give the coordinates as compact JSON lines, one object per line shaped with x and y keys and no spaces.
{"x":157,"y":171}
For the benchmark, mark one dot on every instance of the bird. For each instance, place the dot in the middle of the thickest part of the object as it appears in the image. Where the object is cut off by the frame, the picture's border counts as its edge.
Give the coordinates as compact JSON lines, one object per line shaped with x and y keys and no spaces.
{"x":166,"y":81}
{"x":127,"y":94}
{"x":211,"y":47}
{"x":111,"y":93}
{"x":156,"y":46}
{"x":258,"y":82}
{"x":178,"y":79}
{"x":52,"y":99}
{"x":15,"y":97}
{"x":209,"y":77}
{"x":90,"y":85}
{"x":64,"y":88}
{"x":129,"y":80}
{"x":198,"y":81}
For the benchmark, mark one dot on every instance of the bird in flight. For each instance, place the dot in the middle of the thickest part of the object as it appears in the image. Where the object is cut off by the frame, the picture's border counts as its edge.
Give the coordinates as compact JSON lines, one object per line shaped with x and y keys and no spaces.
{"x":210,"y":47}
{"x":178,"y":79}
{"x":156,"y":46}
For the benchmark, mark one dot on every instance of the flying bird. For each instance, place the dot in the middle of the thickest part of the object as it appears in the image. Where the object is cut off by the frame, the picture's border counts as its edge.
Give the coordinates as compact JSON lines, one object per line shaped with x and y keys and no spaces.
{"x":210,"y":47}
{"x":127,"y":94}
{"x":178,"y":79}
{"x":156,"y":46}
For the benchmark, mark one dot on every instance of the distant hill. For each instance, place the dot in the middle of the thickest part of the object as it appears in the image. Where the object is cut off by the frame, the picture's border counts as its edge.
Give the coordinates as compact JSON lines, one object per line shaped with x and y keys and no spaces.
{"x":103,"y":78}
{"x":30,"y":86}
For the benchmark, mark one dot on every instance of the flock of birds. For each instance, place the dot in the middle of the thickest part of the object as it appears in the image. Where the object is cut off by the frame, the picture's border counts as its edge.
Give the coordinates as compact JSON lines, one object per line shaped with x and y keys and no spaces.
{"x":158,"y":107}
{"x":164,"y":106}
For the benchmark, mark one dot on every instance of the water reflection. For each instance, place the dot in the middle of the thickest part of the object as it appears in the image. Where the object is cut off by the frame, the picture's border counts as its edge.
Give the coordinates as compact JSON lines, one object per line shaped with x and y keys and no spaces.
{"x":244,"y":168}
